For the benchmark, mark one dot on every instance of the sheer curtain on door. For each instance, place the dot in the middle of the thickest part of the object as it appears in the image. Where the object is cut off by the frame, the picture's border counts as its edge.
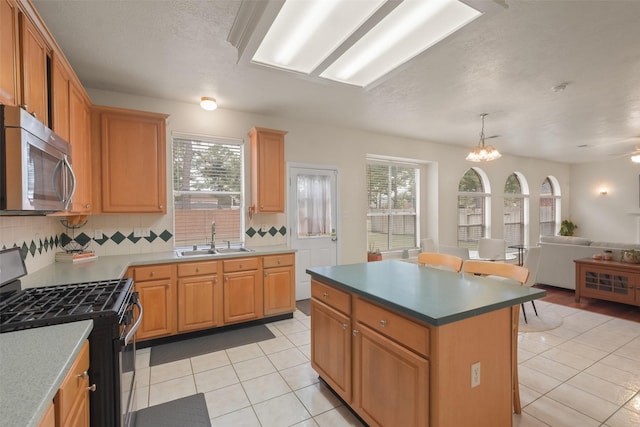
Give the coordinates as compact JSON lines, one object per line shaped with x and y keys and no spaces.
{"x":314,"y":206}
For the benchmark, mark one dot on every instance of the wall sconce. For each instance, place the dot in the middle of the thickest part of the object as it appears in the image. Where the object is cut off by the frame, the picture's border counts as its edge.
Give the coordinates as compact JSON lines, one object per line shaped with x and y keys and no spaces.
{"x":603,"y":191}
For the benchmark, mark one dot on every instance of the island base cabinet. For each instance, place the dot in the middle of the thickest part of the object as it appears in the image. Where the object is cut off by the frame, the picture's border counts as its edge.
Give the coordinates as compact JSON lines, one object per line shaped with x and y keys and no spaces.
{"x":331,"y":347}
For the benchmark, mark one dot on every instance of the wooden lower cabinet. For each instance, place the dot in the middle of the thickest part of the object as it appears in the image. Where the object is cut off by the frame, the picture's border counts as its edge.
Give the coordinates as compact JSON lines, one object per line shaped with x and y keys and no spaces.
{"x":391,"y":383}
{"x":49,"y":417}
{"x":331,"y":347}
{"x":199,"y":296}
{"x":72,"y":399}
{"x":156,"y":289}
{"x":279,"y":284}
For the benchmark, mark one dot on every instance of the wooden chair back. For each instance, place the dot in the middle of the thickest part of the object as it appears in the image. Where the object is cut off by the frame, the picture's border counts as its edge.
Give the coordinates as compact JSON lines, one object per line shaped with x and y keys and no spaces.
{"x":436,"y":259}
{"x":502,"y":269}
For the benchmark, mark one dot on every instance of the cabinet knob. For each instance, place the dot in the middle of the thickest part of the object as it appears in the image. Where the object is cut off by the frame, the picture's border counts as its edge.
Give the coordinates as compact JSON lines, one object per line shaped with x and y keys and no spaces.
{"x":325,"y":295}
{"x":85,"y":374}
{"x":87,"y":206}
{"x":161,"y":206}
{"x":383,"y":323}
{"x":240,"y":265}
{"x":152,"y":274}
{"x":92,"y":387}
{"x":261,"y":206}
{"x":355,"y":332}
{"x":344,"y":326}
{"x":215,"y":280}
{"x":278,"y":261}
{"x":197,"y":269}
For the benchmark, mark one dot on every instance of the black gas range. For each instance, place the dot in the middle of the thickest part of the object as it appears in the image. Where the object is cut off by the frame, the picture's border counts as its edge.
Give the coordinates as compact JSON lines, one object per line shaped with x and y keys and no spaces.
{"x":116,"y":313}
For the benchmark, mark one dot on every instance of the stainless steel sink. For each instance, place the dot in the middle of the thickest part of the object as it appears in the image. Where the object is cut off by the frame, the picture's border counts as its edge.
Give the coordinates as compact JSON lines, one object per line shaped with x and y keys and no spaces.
{"x":217,"y":251}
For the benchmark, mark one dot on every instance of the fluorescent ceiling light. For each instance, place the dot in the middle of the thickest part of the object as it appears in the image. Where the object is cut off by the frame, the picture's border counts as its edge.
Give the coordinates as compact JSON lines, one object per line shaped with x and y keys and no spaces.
{"x":329,"y":38}
{"x":411,"y":28}
{"x":306,"y":32}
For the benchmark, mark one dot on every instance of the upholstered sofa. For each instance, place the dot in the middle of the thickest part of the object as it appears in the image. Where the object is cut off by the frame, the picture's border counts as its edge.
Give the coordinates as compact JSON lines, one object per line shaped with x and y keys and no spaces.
{"x":556,"y":266}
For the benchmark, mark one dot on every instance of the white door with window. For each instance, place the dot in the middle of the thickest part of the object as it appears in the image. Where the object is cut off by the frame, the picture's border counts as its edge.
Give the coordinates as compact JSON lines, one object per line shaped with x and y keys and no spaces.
{"x":313,"y":228}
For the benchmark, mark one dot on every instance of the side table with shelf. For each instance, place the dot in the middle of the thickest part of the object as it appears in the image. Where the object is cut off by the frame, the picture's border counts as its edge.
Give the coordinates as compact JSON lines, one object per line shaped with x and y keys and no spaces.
{"x":608,"y":280}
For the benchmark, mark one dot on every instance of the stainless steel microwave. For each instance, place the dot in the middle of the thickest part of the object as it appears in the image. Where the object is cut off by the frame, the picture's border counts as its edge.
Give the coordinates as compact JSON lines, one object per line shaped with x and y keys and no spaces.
{"x":35,"y":166}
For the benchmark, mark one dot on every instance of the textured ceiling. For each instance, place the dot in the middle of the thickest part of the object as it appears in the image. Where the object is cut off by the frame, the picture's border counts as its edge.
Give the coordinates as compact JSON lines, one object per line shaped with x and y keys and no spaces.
{"x":505,"y":63}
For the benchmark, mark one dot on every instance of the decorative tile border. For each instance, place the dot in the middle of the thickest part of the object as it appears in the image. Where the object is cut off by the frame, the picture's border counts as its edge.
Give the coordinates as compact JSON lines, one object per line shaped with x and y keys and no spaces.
{"x":32,"y":248}
{"x":117,"y":237}
{"x":272,"y":231}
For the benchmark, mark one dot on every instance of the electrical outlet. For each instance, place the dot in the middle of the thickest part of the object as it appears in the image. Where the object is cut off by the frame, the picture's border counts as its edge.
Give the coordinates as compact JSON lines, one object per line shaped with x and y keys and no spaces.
{"x":475,"y":375}
{"x":98,"y":234}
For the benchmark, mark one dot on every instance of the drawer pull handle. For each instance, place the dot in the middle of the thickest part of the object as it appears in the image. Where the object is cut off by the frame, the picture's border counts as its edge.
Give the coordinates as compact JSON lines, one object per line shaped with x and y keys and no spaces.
{"x":152,"y":274}
{"x":278,"y":261}
{"x":91,"y":388}
{"x":383,"y":323}
{"x":85,"y":374}
{"x":355,"y":332}
{"x":325,"y":295}
{"x":197,"y":269}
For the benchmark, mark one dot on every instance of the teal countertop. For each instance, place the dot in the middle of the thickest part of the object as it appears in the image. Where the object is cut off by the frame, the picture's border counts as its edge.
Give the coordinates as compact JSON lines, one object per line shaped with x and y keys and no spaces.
{"x":434,"y":296}
{"x":115,"y":266}
{"x":33,"y":364}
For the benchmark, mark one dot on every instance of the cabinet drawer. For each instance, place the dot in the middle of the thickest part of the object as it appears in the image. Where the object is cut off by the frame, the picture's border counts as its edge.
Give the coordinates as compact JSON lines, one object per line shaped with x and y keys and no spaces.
{"x":393,"y":326}
{"x":240,"y":264}
{"x":331,"y":296}
{"x":186,"y":269}
{"x":74,"y":383}
{"x":152,"y":272}
{"x":281,"y":260}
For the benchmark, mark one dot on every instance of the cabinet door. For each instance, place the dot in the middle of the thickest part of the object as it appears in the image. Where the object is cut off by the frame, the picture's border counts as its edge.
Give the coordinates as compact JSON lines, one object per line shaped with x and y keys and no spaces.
{"x":79,"y":414}
{"x":391,"y":383}
{"x":199,"y":303}
{"x":267,"y":170}
{"x":34,"y":70}
{"x":331,"y":347}
{"x":80,"y":139}
{"x":9,"y":54}
{"x":60,"y":99}
{"x":133,"y":162}
{"x":242,"y":296}
{"x":279,"y":290}
{"x":158,"y":299}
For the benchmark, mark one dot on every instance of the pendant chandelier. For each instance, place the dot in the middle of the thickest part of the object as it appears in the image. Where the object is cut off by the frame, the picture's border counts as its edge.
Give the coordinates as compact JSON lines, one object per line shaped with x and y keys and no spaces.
{"x":483,"y":153}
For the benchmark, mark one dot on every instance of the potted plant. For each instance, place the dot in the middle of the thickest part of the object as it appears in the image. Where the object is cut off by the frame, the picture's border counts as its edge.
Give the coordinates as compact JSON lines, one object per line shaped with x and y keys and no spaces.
{"x":567,"y":227}
{"x":630,"y":256}
{"x":374,"y":254}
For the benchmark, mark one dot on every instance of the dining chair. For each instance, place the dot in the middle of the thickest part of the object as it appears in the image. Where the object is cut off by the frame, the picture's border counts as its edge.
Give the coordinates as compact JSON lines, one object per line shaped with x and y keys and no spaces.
{"x":519,"y":274}
{"x":531,"y":261}
{"x":438,"y":260}
{"x":492,"y":249}
{"x":428,"y":245}
{"x":454,"y":250}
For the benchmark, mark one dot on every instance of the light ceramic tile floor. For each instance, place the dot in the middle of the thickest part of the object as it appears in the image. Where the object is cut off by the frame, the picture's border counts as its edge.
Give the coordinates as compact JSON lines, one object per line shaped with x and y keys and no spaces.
{"x":585,"y":372}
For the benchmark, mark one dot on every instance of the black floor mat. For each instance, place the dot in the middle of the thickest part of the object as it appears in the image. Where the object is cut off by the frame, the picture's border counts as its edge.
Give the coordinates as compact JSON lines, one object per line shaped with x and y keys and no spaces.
{"x":189,"y":411}
{"x":304,"y":305}
{"x":165,"y":353}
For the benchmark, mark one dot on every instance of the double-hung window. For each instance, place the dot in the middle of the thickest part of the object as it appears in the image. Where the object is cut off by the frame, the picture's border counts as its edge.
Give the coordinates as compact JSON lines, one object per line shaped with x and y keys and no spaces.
{"x":207,"y":187}
{"x":392,"y":211}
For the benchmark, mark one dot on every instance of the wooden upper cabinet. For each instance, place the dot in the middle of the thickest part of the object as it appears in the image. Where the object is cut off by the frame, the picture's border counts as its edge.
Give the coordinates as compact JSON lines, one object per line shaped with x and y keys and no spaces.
{"x":132,"y":161}
{"x":9,"y":53}
{"x":34,"y":57}
{"x":59,"y":98}
{"x":80,"y":140}
{"x":267,"y":170}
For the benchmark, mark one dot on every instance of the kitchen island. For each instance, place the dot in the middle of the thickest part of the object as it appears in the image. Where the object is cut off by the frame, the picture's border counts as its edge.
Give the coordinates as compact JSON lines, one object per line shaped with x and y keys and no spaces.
{"x":416,"y":346}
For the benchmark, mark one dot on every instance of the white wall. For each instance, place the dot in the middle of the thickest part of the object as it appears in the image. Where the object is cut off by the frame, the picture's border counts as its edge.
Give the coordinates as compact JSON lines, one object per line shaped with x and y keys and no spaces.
{"x":347,"y":149}
{"x":614,"y":217}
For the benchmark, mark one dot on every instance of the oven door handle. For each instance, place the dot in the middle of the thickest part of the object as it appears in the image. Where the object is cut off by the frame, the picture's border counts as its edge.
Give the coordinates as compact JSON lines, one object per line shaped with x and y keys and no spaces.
{"x":135,"y":325}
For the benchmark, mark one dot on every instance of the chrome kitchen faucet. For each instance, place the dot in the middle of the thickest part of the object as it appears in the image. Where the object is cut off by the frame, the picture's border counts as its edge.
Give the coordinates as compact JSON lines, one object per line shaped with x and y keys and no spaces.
{"x":213,"y":235}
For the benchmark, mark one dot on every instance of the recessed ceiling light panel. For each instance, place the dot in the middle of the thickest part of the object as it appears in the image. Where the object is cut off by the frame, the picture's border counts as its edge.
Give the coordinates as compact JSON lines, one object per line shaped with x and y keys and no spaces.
{"x":411,"y":28}
{"x":306,"y":32}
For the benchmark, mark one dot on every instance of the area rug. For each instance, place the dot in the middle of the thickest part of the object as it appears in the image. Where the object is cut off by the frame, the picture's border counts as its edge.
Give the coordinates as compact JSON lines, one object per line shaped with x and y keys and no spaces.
{"x":304,"y":305}
{"x":189,"y":411}
{"x":545,"y":321}
{"x":165,"y":353}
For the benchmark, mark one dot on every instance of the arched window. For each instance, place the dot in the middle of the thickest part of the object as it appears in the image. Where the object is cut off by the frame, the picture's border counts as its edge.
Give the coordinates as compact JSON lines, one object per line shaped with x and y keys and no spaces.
{"x":549,"y":206}
{"x":515,"y":209}
{"x":473,"y":208}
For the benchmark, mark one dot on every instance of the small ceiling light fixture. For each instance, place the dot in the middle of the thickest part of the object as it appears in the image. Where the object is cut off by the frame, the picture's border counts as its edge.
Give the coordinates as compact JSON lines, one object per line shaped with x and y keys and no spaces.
{"x":635,"y":156}
{"x":483,"y":153}
{"x":603,"y":191}
{"x":208,"y":103}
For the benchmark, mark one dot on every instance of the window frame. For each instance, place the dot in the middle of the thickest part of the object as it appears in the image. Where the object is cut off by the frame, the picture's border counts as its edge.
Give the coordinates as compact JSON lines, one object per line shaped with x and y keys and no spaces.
{"x":485,"y":195}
